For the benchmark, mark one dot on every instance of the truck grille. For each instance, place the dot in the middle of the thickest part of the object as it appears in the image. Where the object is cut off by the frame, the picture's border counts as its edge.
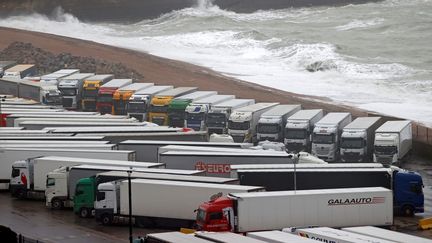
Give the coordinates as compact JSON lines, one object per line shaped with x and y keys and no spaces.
{"x":352,"y":157}
{"x":238,"y":139}
{"x":384,"y":160}
{"x":295,"y":147}
{"x":105,"y":109}
{"x":89,"y":106}
{"x":158,"y":120}
{"x":67,"y":102}
{"x":176,"y":123}
{"x":215,"y":130}
{"x":322,"y":151}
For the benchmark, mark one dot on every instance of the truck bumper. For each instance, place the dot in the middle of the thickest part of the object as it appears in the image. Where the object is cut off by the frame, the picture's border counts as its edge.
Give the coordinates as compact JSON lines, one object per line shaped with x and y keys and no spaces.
{"x":103,"y":211}
{"x":18,"y":190}
{"x":215,"y":130}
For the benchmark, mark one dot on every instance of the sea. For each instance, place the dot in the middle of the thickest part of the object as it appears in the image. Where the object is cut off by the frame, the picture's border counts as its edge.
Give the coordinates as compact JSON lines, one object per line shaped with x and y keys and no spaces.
{"x":375,"y":56}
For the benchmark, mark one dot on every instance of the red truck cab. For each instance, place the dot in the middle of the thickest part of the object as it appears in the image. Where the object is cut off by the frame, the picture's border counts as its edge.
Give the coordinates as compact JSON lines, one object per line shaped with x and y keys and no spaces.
{"x":105,"y":100}
{"x":214,"y":215}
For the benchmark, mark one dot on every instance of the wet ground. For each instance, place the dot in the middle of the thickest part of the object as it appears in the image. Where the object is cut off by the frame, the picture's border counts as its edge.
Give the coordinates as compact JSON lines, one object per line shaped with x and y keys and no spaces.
{"x":33,"y":219}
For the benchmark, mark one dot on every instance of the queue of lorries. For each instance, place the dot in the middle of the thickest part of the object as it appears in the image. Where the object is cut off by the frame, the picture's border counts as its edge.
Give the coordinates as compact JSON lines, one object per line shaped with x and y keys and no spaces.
{"x":81,"y":160}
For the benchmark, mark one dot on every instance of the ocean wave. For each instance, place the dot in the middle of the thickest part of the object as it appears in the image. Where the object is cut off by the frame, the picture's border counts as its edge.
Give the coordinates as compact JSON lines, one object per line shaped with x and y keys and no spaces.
{"x":358,"y":24}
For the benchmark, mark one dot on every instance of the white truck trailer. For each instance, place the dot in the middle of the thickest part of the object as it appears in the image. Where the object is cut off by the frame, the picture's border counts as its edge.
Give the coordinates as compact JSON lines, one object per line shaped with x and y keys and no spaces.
{"x":10,"y":120}
{"x":196,"y":112}
{"x":393,"y":142}
{"x":100,"y":119}
{"x":29,"y":177}
{"x":276,"y":236}
{"x":258,"y":211}
{"x":53,"y":78}
{"x":271,"y":124}
{"x":385,"y":234}
{"x":157,"y":202}
{"x":218,"y":163}
{"x":71,"y":88}
{"x":299,"y":128}
{"x":147,"y":150}
{"x":122,"y":95}
{"x":39,"y":125}
{"x":173,"y":237}
{"x":4,"y":65}
{"x":20,"y":71}
{"x":243,"y":121}
{"x":10,"y":155}
{"x":326,"y":234}
{"x":217,"y":117}
{"x":79,"y":146}
{"x":43,"y":93}
{"x":327,"y":133}
{"x":226,"y":237}
{"x":357,"y":139}
{"x":61,"y":183}
{"x":139,"y":102}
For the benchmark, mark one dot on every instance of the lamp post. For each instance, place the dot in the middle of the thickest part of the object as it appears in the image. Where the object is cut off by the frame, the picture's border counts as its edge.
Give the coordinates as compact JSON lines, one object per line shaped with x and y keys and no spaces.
{"x":295,"y":158}
{"x":130,"y":205}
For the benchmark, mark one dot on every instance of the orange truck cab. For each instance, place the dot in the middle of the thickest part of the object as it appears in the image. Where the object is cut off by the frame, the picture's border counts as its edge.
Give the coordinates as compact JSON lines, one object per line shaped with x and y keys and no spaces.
{"x":121,"y":96}
{"x":105,"y":94}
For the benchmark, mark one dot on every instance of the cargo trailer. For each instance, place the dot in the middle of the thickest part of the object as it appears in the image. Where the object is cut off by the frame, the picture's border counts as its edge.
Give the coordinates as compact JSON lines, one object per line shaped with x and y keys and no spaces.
{"x":71,"y":89}
{"x":385,"y":234}
{"x":20,"y":71}
{"x":139,"y":103}
{"x":226,"y":237}
{"x":173,"y":237}
{"x":271,"y":124}
{"x":4,"y":65}
{"x":100,"y":119}
{"x":122,"y":95}
{"x":106,"y":92}
{"x":276,"y":236}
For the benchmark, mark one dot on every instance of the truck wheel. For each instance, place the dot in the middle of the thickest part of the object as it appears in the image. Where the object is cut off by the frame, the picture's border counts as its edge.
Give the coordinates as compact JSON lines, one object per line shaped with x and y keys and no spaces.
{"x":20,"y":194}
{"x":84,"y":213}
{"x":408,"y":211}
{"x":106,"y":219}
{"x":56,"y":204}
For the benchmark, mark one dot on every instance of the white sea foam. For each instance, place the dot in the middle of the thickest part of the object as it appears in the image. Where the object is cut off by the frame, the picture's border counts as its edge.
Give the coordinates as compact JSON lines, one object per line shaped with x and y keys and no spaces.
{"x":275,"y":49}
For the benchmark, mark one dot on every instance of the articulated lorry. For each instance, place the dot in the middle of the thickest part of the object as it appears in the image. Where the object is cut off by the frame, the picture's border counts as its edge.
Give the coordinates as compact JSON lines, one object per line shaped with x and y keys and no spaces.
{"x":299,"y":128}
{"x":43,"y":93}
{"x":393,"y":142}
{"x":122,"y":95}
{"x":61,"y":183}
{"x":20,"y":71}
{"x":158,"y":112}
{"x":4,"y":65}
{"x":9,"y":87}
{"x":357,"y":139}
{"x":71,"y":119}
{"x":10,"y":155}
{"x":385,"y":234}
{"x":147,"y":150}
{"x":90,"y":89}
{"x":177,"y":107}
{"x":80,"y":146}
{"x":173,"y":237}
{"x":70,"y":88}
{"x":196,"y":112}
{"x":258,"y":211}
{"x":327,"y":135}
{"x":217,"y":117}
{"x":226,"y":237}
{"x":326,"y":234}
{"x":85,"y":200}
{"x":243,"y":121}
{"x":139,"y":102}
{"x":277,"y":236}
{"x":271,"y":124}
{"x":38,"y":125}
{"x":106,"y":92}
{"x":407,"y":186}
{"x":174,"y":204}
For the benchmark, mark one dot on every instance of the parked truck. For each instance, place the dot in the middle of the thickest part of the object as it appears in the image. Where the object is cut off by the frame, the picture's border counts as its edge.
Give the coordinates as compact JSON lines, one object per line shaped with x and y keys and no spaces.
{"x":271,"y":124}
{"x":90,"y":89}
{"x":196,"y":112}
{"x":226,"y":237}
{"x":326,"y":234}
{"x":180,"y":200}
{"x":173,"y":237}
{"x":61,"y":183}
{"x":393,"y":142}
{"x":4,"y":65}
{"x":20,"y":71}
{"x":385,"y":234}
{"x":139,"y":103}
{"x":217,"y":117}
{"x":70,"y":88}
{"x":10,"y":155}
{"x":177,"y":107}
{"x":106,"y":92}
{"x":38,"y":125}
{"x":299,"y":128}
{"x":122,"y":95}
{"x":258,"y":211}
{"x":407,"y":186}
{"x":357,"y":139}
{"x":158,"y":112}
{"x":243,"y":121}
{"x":277,"y":236}
{"x":327,"y":135}
{"x":53,"y":78}
{"x":43,"y":93}
{"x":101,"y":119}
{"x":85,"y":200}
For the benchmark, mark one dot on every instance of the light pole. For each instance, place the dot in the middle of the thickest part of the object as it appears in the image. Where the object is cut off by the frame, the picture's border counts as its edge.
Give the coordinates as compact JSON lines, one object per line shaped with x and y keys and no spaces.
{"x":130,"y":205}
{"x":295,"y":158}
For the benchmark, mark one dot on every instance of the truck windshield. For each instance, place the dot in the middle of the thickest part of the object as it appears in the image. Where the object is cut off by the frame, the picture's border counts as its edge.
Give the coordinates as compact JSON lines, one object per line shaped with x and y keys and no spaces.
{"x":162,"y":109}
{"x":105,"y":98}
{"x":50,"y":182}
{"x":295,"y":133}
{"x":268,"y":128}
{"x":136,"y":107}
{"x":15,"y":172}
{"x":216,"y":120}
{"x":90,"y":93}
{"x":238,"y":125}
{"x":68,"y":92}
{"x":195,"y":117}
{"x":385,"y":149}
{"x":323,"y":138}
{"x":352,"y":143}
{"x":201,"y":215}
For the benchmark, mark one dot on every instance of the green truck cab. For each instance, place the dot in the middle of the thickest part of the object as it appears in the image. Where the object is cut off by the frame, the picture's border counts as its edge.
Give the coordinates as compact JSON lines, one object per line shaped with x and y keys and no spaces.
{"x":176,"y":112}
{"x":85,"y":197}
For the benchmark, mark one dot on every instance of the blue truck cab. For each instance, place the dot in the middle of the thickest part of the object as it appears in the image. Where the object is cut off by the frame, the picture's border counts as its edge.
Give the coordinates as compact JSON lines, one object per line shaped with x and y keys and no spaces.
{"x":407,"y":192}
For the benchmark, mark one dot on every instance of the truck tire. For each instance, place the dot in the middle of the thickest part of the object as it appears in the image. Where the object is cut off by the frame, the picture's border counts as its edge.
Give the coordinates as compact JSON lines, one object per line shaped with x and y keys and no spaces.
{"x":407,"y":211}
{"x":84,"y":213}
{"x":20,"y":194}
{"x":56,"y":204}
{"x":106,"y":219}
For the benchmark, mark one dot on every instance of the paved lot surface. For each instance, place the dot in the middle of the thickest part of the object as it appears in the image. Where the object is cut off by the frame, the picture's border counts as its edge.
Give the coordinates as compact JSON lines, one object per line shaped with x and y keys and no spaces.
{"x":33,"y":219}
